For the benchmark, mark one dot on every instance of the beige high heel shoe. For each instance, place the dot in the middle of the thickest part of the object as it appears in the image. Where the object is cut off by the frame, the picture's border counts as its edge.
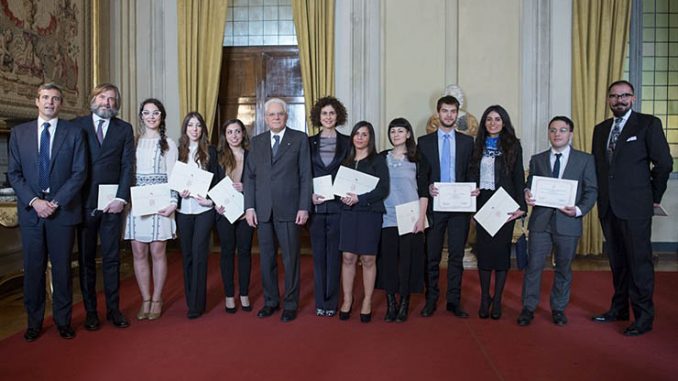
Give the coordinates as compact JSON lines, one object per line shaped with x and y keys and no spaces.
{"x":144,"y":310}
{"x":155,"y":315}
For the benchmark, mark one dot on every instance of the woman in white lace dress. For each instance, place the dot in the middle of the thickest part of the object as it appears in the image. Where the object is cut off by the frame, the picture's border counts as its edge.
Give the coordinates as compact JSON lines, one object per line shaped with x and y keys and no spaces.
{"x":155,"y":158}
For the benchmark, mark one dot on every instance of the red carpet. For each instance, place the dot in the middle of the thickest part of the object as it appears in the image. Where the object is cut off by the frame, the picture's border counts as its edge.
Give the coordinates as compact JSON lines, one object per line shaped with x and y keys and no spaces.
{"x":243,"y":347}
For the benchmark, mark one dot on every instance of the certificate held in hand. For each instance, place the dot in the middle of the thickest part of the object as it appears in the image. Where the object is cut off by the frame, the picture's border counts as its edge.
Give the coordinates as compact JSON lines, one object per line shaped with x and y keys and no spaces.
{"x":186,"y":177}
{"x":149,"y":199}
{"x":495,"y":213}
{"x":407,"y":215}
{"x":322,"y":186}
{"x":351,"y":181}
{"x":553,"y":193}
{"x":454,"y":197}
{"x":223,"y":194}
{"x":107,"y":193}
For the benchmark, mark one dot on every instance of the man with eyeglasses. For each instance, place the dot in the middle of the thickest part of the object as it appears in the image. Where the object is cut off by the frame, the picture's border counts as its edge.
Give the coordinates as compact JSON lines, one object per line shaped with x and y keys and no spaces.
{"x":556,"y":229}
{"x":111,"y":159}
{"x":278,"y":186}
{"x":633,"y":163}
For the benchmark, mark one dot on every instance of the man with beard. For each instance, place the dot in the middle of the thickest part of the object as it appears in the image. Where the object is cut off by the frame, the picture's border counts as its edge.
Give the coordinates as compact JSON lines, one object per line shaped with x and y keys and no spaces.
{"x":633,"y":163}
{"x":111,"y":160}
{"x":448,"y":153}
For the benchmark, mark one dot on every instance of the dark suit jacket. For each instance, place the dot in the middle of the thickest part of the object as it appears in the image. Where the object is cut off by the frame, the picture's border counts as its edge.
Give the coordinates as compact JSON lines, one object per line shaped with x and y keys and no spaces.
{"x":319,"y":169}
{"x":580,"y":167}
{"x":279,"y":187}
{"x":68,"y":170}
{"x":513,"y":182}
{"x":110,"y":163}
{"x":428,"y":150}
{"x":629,"y":185}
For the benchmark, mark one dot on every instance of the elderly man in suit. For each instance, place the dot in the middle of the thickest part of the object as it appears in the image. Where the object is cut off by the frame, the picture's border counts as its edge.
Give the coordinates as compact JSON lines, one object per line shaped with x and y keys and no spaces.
{"x":448,"y":152}
{"x":633,"y":163}
{"x":111,"y":158}
{"x":278,"y":189}
{"x":552,"y":228}
{"x":47,"y":168}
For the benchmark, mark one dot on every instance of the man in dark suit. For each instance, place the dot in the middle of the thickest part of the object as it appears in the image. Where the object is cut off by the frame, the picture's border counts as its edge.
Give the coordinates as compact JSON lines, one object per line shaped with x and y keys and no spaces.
{"x":47,"y":168}
{"x":448,"y":152}
{"x":278,"y":191}
{"x":556,"y":228}
{"x":111,"y":158}
{"x":633,"y":163}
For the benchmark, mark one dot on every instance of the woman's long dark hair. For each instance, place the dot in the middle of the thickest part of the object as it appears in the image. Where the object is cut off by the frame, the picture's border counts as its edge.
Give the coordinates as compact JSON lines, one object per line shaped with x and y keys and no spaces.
{"x":508,"y":142}
{"x":371,"y":146}
{"x":410,"y":144}
{"x":162,"y":129}
{"x":226,"y":157}
{"x":202,"y":157}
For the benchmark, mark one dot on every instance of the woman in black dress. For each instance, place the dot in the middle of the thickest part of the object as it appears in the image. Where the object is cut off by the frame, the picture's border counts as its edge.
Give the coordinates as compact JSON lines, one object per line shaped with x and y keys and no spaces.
{"x":329,"y":149}
{"x":497,"y":161}
{"x":361,"y":218}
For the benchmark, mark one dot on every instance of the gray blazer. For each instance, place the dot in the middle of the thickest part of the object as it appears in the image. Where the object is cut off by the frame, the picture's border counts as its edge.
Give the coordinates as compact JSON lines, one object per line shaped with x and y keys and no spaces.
{"x":580,"y":167}
{"x":279,"y":187}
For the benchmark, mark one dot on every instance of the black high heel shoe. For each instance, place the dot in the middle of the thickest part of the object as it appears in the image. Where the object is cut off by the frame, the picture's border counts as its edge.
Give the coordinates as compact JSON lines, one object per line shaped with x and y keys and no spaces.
{"x":366,"y":318}
{"x":346,"y":315}
{"x":484,"y":311}
{"x":496,"y":310}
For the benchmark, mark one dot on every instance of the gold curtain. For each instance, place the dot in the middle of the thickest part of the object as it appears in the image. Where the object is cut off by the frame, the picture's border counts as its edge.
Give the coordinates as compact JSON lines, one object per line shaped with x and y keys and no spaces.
{"x":201,"y":35}
{"x":600,"y":32}
{"x":314,"y":23}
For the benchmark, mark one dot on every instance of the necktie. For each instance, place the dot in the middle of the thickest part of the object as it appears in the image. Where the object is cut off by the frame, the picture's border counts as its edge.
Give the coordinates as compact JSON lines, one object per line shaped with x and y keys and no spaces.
{"x":276,"y":145}
{"x":556,"y":166}
{"x":100,"y":131}
{"x":614,"y":136}
{"x":445,"y":160}
{"x":44,"y":157}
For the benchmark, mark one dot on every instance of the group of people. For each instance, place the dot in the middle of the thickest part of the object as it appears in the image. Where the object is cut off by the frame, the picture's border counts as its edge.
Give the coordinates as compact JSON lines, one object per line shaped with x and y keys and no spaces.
{"x":56,"y":168}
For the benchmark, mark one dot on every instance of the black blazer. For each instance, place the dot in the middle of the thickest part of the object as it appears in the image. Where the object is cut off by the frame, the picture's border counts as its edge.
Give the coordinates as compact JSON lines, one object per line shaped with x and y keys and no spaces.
{"x":68,"y":171}
{"x":513,"y":182}
{"x":112,"y":162}
{"x":629,"y":186}
{"x":372,"y":201}
{"x":319,"y":169}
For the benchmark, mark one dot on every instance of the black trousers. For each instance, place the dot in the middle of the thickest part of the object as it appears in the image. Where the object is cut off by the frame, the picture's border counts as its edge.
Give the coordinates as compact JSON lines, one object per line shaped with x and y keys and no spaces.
{"x":456,"y":226}
{"x":630,"y":252}
{"x":232,"y":236}
{"x":324,"y":228}
{"x":401,"y":263}
{"x":47,"y":239}
{"x":103,"y":227}
{"x":194,"y":235}
{"x":287,"y":235}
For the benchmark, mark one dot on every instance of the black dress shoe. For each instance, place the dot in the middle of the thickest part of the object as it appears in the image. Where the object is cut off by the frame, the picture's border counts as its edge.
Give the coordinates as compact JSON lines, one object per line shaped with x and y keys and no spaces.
{"x":117,"y":319}
{"x":66,"y":332}
{"x":525,"y":317}
{"x":288,"y":315}
{"x":429,"y":309}
{"x":366,"y":318}
{"x":634,"y":330}
{"x":193,"y":314}
{"x":32,"y":334}
{"x":559,"y":318}
{"x":607,"y":317}
{"x":246,"y":308}
{"x":267,"y":311}
{"x":92,"y":321}
{"x":230,"y":310}
{"x":457,"y":311}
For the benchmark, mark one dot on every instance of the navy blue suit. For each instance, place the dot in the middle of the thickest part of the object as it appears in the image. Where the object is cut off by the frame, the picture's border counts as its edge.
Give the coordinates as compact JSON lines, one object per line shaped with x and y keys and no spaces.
{"x":51,"y":237}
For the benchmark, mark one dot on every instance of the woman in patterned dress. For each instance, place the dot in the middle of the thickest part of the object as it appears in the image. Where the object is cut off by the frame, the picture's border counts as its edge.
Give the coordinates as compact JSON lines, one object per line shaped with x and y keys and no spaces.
{"x":155,"y":158}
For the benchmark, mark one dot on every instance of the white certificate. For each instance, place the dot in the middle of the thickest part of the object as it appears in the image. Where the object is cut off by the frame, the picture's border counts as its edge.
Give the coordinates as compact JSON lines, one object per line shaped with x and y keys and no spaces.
{"x":351,"y":181}
{"x":407,"y":215}
{"x":454,"y":197}
{"x":494,"y":214}
{"x":322,"y":186}
{"x":223,"y":194}
{"x":660,"y":211}
{"x":149,"y":199}
{"x":553,"y":193}
{"x":107,"y":193}
{"x":193,"y":179}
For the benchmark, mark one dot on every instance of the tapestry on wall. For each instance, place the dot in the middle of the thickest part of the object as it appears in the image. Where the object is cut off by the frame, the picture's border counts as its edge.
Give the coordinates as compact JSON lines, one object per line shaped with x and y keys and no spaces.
{"x":44,"y":41}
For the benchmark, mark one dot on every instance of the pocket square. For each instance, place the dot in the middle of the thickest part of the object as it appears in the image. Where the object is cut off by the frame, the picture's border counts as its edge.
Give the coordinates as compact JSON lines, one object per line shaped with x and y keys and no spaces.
{"x":632,"y":138}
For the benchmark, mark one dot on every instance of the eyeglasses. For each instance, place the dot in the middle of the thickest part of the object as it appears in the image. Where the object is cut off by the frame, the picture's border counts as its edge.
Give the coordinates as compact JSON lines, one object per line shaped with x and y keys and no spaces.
{"x":623,"y":97}
{"x":563,"y":130}
{"x":147,"y":113}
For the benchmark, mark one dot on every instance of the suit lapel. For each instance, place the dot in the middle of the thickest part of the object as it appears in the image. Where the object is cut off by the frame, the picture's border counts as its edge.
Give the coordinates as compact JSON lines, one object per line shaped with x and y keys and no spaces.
{"x":59,"y":137}
{"x":92,"y":140}
{"x":630,"y":129}
{"x":568,"y":173}
{"x":285,"y":143}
